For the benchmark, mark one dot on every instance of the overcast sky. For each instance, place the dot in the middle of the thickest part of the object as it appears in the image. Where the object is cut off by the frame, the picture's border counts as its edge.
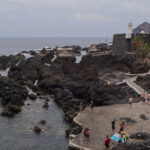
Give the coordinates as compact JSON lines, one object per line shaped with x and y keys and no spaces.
{"x":70,"y":18}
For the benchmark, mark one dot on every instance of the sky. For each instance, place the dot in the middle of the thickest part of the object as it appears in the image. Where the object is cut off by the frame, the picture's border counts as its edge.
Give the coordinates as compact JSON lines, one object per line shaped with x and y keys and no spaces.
{"x":70,"y":18}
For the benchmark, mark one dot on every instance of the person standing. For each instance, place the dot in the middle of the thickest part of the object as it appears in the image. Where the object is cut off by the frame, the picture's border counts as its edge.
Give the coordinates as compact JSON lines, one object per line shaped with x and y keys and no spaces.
{"x":122,"y":125}
{"x":81,"y":106}
{"x":107,"y":142}
{"x":130,"y":101}
{"x":87,"y":134}
{"x":113,"y":125}
{"x":143,"y":96}
{"x":92,"y":105}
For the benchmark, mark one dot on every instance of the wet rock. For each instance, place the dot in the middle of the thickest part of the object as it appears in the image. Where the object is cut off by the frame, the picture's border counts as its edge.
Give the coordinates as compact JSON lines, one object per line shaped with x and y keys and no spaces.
{"x":32,"y":96}
{"x":27,"y":70}
{"x":12,"y":97}
{"x":10,"y":110}
{"x":142,"y":116}
{"x":7,"y":113}
{"x":46,"y":105}
{"x":44,"y":98}
{"x":73,"y":129}
{"x":12,"y":93}
{"x":9,"y":61}
{"x":37,"y":129}
{"x":43,"y":122}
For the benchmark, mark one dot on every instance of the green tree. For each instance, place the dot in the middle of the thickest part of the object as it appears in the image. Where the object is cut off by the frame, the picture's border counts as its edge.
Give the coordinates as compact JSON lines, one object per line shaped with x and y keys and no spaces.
{"x":142,"y":48}
{"x":143,"y":51}
{"x":137,"y":41}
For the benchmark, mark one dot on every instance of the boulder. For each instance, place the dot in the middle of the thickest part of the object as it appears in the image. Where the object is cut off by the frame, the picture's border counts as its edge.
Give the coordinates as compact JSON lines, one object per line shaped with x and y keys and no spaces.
{"x":142,"y":116}
{"x":43,"y":122}
{"x":32,"y":96}
{"x":37,"y":129}
{"x":10,"y":110}
{"x":46,"y":105}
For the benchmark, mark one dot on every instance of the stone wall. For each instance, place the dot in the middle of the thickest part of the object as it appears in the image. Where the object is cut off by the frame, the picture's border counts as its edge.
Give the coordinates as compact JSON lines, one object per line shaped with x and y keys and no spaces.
{"x":120,"y":45}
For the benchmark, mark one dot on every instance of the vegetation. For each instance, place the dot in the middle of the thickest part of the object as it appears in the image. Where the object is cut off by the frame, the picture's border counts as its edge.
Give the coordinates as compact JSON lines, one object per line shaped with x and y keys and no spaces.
{"x":142,"y":48}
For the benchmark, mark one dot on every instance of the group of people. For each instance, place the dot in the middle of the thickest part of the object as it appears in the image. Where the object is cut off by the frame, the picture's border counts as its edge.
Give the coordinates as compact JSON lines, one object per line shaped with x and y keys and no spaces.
{"x":123,"y":135}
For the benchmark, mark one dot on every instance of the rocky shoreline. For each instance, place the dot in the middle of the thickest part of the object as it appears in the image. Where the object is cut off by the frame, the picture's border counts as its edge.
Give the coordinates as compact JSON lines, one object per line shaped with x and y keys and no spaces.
{"x":70,"y":83}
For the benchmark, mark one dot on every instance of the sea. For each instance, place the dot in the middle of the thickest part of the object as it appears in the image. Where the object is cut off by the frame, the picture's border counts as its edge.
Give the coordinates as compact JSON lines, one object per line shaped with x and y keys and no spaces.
{"x":17,"y":133}
{"x":15,"y":45}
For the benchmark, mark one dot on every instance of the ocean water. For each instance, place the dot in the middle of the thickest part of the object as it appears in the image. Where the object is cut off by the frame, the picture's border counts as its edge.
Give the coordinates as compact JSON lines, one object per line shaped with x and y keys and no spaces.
{"x":17,"y":134}
{"x":16,"y":45}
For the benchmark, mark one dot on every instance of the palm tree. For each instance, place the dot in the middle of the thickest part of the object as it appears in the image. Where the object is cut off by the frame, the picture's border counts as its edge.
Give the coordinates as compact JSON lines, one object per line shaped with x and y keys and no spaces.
{"x":143,"y":51}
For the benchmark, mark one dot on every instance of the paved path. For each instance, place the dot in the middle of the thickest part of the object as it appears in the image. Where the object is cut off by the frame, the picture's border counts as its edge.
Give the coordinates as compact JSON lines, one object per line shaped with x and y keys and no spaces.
{"x":100,"y":122}
{"x":134,"y":86}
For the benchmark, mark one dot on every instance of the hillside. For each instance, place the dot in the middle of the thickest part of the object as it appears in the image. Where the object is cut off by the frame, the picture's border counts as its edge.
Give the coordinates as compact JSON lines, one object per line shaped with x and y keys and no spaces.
{"x":142,"y":27}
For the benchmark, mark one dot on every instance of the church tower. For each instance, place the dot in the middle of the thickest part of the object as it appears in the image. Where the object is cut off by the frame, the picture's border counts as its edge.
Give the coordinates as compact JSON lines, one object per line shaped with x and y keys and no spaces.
{"x":129,"y":31}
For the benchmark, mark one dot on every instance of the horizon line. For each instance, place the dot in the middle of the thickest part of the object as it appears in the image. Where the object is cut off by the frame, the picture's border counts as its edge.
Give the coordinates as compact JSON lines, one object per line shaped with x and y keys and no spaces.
{"x":55,"y":37}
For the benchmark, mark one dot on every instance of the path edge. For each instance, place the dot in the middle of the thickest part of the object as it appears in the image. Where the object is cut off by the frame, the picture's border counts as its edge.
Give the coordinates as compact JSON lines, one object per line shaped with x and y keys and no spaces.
{"x":72,"y":145}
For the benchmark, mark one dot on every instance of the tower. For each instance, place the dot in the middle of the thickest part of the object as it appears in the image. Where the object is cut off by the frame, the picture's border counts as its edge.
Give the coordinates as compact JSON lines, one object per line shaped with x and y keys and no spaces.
{"x":129,"y":31}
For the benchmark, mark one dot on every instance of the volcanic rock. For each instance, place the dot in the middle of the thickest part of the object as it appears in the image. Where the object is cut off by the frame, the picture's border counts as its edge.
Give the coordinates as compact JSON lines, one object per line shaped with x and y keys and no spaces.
{"x":32,"y":96}
{"x":37,"y":130}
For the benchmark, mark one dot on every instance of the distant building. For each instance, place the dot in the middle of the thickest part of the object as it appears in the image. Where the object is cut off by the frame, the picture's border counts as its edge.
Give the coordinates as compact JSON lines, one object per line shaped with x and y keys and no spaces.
{"x":92,"y":49}
{"x":64,"y":52}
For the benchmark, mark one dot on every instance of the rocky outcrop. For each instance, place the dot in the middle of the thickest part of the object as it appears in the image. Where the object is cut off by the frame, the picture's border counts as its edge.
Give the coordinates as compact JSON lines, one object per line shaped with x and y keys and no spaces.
{"x":32,"y":96}
{"x":9,"y":61}
{"x":37,"y":129}
{"x":144,"y":82}
{"x":12,"y":96}
{"x":109,"y":62}
{"x":26,"y":71}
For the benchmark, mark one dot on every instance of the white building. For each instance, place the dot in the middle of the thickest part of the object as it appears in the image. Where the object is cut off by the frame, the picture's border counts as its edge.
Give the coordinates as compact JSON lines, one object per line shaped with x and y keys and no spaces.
{"x":64,"y":52}
{"x":129,"y":31}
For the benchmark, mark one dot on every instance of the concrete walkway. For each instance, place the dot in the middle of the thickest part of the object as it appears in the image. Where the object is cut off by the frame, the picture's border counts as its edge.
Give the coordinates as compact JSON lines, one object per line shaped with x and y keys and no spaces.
{"x":99,"y":123}
{"x":134,"y":86}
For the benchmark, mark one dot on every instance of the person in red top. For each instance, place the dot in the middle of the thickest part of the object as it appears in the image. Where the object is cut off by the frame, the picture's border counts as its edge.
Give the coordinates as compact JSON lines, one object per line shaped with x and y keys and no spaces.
{"x":87,"y":134}
{"x":107,"y":142}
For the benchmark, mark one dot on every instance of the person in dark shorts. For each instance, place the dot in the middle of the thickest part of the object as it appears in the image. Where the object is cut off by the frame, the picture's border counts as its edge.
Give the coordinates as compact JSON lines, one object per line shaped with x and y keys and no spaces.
{"x":121,"y":139}
{"x":113,"y":125}
{"x":107,"y":142}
